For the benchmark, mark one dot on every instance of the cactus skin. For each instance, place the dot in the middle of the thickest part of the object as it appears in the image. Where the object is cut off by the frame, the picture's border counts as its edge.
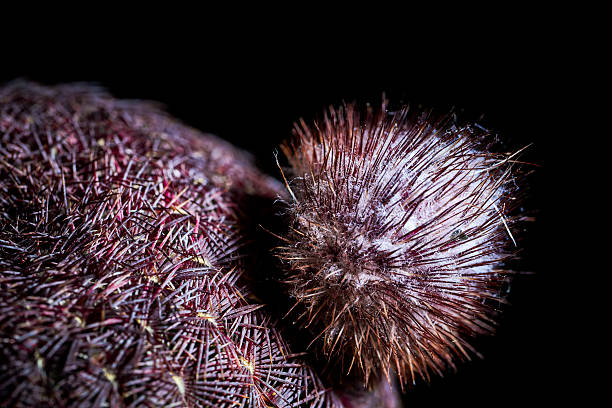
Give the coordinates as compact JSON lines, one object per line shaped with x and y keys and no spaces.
{"x":399,"y":230}
{"x":119,"y":261}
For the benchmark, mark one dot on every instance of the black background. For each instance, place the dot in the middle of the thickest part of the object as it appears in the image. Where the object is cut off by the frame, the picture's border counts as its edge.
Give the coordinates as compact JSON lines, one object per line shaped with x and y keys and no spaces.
{"x":251,"y":90}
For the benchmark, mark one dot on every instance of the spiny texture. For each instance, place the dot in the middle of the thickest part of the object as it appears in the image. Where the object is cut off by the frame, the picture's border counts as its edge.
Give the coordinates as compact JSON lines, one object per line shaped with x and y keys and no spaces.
{"x":398,"y":228}
{"x":119,"y":236}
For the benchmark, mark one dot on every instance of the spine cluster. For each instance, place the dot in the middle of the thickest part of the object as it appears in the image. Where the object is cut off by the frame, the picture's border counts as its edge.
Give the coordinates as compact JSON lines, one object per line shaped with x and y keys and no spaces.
{"x":398,"y":228}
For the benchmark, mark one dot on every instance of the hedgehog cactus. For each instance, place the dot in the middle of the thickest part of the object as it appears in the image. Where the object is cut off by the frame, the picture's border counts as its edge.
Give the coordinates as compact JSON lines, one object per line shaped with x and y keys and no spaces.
{"x":119,"y":259}
{"x":398,"y":229}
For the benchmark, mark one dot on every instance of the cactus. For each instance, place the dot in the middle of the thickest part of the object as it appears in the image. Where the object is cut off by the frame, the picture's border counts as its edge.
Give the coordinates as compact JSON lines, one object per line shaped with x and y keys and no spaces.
{"x":398,"y":232}
{"x":120,"y":235}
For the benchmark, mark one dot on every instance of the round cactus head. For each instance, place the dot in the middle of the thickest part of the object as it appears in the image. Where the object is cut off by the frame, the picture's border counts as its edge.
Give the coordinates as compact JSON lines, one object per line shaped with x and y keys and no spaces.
{"x":398,"y":226}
